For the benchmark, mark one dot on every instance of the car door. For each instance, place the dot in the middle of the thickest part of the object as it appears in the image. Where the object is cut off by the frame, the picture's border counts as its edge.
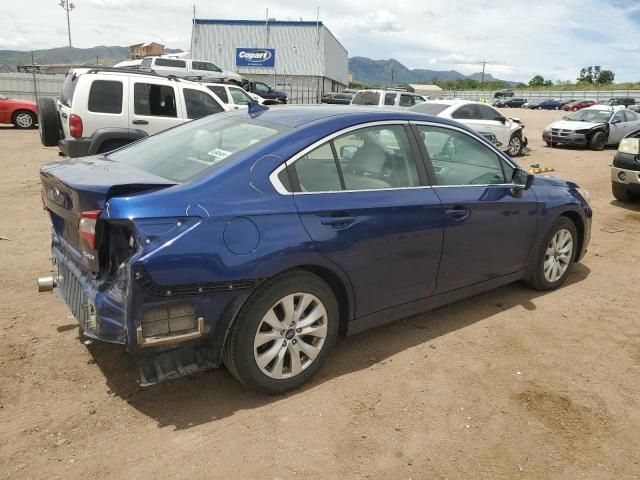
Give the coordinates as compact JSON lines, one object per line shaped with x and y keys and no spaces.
{"x":496,"y":123}
{"x":364,"y":199}
{"x":199,"y":103}
{"x":631,"y":123}
{"x":154,"y":107}
{"x":618,"y":127}
{"x":472,"y":116}
{"x":488,"y":227}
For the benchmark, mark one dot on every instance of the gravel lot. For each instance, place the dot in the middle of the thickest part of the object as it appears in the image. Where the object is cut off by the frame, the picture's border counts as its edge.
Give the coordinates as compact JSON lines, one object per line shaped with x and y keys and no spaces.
{"x":508,"y":384}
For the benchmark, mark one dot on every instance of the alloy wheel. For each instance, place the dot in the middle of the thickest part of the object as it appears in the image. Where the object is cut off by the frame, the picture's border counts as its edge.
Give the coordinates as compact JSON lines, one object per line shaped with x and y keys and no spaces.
{"x":558,"y":255}
{"x":24,"y":120}
{"x":515,"y":144}
{"x":290,"y":335}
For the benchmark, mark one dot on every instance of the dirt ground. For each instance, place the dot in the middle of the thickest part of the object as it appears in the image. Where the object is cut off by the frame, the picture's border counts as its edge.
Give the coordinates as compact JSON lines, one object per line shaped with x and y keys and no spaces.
{"x":508,"y":384}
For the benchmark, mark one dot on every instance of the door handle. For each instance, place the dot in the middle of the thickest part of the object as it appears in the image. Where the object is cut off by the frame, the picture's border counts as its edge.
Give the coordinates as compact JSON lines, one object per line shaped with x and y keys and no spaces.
{"x":458,"y":214}
{"x":140,"y":122}
{"x":338,"y":221}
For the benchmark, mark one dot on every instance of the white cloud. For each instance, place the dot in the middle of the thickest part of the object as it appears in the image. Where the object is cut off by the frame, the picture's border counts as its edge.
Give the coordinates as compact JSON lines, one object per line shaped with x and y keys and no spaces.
{"x":518,"y":39}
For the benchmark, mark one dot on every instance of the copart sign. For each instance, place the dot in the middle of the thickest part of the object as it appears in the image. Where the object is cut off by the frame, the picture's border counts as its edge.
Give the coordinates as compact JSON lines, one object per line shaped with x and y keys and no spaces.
{"x":255,"y":57}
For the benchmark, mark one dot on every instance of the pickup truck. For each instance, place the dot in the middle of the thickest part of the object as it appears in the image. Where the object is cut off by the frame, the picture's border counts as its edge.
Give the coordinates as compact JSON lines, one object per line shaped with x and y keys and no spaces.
{"x":264,"y":90}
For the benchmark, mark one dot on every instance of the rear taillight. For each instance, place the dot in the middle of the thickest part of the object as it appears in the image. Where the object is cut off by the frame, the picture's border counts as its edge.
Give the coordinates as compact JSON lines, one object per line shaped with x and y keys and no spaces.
{"x":87,"y":226}
{"x":75,"y":125}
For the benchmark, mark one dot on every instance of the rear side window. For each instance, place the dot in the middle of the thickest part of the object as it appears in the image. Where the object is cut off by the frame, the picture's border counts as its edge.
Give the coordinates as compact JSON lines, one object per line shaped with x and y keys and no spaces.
{"x":220,"y":92}
{"x":240,"y":97}
{"x":68,"y":87}
{"x":407,"y":101}
{"x":154,"y":100}
{"x":105,"y":96}
{"x":389,"y":98}
{"x":170,"y":62}
{"x":431,"y":108}
{"x":366,"y":98}
{"x":207,"y":66}
{"x":200,"y":104}
{"x":317,"y":171}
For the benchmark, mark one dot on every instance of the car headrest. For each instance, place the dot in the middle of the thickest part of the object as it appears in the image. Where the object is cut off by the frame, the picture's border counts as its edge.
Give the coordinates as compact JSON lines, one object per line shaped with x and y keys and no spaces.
{"x":369,"y":158}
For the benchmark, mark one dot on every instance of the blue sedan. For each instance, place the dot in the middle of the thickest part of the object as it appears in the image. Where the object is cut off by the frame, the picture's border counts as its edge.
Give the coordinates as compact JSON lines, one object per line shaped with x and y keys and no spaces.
{"x":257,"y":238}
{"x":551,"y":105}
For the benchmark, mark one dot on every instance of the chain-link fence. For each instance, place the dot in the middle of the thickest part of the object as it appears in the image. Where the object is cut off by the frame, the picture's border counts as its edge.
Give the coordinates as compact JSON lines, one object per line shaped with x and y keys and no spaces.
{"x":531,"y":94}
{"x":300,"y":89}
{"x":27,"y":86}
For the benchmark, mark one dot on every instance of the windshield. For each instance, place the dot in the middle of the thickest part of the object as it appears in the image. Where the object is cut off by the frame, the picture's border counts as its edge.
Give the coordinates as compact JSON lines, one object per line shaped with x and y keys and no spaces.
{"x":184,"y":152}
{"x":430,"y":108}
{"x":594,"y":116}
{"x":366,"y":98}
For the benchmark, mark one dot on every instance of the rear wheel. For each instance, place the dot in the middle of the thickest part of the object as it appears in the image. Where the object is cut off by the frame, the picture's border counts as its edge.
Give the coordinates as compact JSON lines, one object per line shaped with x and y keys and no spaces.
{"x":622,"y":194}
{"x":555,"y":255}
{"x":283,"y":333}
{"x":48,"y":122}
{"x":597,"y":141}
{"x":24,"y":119}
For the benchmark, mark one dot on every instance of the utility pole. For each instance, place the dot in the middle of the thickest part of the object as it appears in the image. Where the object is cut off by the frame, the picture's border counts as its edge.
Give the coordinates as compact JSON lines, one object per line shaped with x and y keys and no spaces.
{"x":392,"y":76}
{"x":484,"y":63}
{"x":68,"y":7}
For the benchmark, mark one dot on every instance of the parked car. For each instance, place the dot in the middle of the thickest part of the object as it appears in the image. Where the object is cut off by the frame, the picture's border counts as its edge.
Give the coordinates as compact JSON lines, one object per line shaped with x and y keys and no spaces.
{"x":101,"y":109}
{"x":21,"y":113}
{"x":593,"y":127}
{"x":550,"y":105}
{"x":324,"y":98}
{"x":264,"y":91}
{"x":187,"y":68}
{"x":635,"y":107}
{"x":481,"y":117}
{"x":625,"y":171}
{"x":232,"y":95}
{"x":511,"y":102}
{"x":578,"y":105}
{"x":507,"y":92}
{"x":257,"y":238}
{"x":624,"y":101}
{"x":341,"y":99}
{"x":386,"y":98}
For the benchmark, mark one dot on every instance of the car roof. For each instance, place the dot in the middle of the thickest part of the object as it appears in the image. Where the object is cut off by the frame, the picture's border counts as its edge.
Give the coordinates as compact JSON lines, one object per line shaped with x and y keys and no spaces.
{"x":297,"y":115}
{"x":383,"y":90}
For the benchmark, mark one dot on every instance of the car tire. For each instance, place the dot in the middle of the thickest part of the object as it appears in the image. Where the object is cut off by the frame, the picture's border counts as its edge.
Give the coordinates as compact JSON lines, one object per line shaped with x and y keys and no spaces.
{"x":269,"y":367}
{"x":48,"y":122}
{"x":597,"y":141}
{"x":551,"y":264}
{"x":622,"y":194}
{"x":24,"y":119}
{"x":515,"y":145}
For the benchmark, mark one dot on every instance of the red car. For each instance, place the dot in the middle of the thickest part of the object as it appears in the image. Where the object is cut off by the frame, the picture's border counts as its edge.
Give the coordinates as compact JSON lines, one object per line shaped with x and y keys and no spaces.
{"x":22,"y":113}
{"x":578,"y":105}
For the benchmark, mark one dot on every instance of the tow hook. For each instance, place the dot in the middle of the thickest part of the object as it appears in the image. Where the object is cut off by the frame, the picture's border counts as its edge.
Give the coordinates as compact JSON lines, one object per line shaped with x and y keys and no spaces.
{"x":48,"y":283}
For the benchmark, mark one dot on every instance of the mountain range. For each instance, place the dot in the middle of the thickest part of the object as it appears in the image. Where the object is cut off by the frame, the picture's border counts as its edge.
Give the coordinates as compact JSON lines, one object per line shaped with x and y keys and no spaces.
{"x":366,"y":70}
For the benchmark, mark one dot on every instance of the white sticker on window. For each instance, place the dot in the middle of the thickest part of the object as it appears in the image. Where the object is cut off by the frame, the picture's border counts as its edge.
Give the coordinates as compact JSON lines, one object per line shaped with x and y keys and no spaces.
{"x":218,"y":153}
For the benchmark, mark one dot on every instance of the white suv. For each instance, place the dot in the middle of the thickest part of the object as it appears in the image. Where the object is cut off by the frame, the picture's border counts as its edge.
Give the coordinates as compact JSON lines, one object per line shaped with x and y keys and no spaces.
{"x":101,"y":109}
{"x":232,"y":95}
{"x":387,"y":98}
{"x":185,"y":68}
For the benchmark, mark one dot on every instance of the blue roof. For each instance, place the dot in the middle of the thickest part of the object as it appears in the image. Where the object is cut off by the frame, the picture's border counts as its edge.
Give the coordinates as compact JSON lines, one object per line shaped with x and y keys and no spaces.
{"x":272,"y":23}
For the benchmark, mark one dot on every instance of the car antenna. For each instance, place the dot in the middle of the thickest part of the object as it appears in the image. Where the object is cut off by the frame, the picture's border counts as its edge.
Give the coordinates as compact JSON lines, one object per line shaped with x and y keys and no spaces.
{"x":255,"y":109}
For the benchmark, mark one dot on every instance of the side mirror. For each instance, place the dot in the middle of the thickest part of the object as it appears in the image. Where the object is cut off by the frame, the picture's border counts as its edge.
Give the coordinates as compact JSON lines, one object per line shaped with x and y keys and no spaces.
{"x":617,"y":120}
{"x":348,"y":151}
{"x":501,"y":119}
{"x":522,"y":180}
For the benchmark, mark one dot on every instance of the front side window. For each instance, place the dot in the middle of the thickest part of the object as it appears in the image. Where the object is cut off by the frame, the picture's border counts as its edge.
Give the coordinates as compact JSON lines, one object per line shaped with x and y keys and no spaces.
{"x":262,"y":88}
{"x":206,"y":66}
{"x":200,"y":104}
{"x":407,"y":100}
{"x":618,"y":117}
{"x":389,"y":98}
{"x":459,"y":159}
{"x":154,"y":100}
{"x":184,"y":152}
{"x":105,"y":96}
{"x":239,"y":96}
{"x":371,"y":158}
{"x":467,"y":112}
{"x":220,"y":92}
{"x":365,"y":97}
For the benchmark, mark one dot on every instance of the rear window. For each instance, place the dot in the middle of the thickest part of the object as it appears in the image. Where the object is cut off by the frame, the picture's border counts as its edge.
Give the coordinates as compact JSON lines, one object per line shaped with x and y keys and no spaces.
{"x":188,"y":150}
{"x":169,"y":62}
{"x":105,"y":96}
{"x":366,"y":98}
{"x":68,"y":87}
{"x":220,"y":92}
{"x":430,"y":108}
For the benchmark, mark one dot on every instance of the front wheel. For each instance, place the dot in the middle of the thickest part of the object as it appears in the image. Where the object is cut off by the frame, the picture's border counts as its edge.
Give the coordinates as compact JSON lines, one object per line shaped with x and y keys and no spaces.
{"x":24,"y":119}
{"x":555,"y":255}
{"x":515,"y":145}
{"x":283,"y":333}
{"x":597,"y":141}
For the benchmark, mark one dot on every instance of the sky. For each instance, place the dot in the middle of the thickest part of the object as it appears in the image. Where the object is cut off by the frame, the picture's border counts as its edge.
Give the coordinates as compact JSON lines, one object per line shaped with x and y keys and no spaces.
{"x":517,"y":38}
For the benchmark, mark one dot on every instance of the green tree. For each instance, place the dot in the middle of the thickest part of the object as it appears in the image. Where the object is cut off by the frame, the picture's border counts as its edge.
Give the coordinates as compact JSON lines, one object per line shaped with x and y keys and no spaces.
{"x":548,"y":83}
{"x":605,"y":77}
{"x":537,"y":81}
{"x":586,"y":75}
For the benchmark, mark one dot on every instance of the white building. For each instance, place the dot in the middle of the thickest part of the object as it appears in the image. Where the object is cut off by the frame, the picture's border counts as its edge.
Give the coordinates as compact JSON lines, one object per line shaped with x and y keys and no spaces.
{"x":302,"y":58}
